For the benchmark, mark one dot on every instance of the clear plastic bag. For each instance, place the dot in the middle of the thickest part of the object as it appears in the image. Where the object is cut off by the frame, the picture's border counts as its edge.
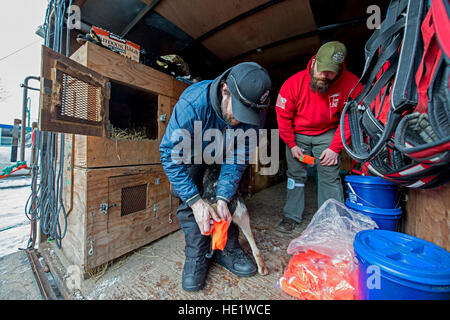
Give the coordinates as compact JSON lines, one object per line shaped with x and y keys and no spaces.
{"x":323,"y":266}
{"x":332,"y":230}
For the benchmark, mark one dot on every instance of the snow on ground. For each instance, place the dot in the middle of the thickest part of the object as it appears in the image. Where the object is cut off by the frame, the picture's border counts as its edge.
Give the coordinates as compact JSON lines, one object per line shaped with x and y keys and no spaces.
{"x":14,"y":193}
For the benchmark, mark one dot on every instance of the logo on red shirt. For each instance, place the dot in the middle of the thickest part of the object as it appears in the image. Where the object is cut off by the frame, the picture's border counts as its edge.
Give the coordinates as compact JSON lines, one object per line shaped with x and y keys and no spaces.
{"x":334,"y":100}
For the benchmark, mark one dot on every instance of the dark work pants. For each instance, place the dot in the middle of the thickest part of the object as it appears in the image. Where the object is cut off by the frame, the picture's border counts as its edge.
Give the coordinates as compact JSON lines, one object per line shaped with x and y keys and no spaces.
{"x":196,"y":243}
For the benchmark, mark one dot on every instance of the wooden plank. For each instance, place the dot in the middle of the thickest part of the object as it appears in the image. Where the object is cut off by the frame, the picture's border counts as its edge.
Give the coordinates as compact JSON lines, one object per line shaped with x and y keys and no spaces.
{"x":68,"y":172}
{"x":72,"y":245}
{"x":178,"y":88}
{"x":196,"y":17}
{"x":295,"y":17}
{"x":428,"y":215}
{"x":126,"y":71}
{"x":98,"y":152}
{"x":164,"y":105}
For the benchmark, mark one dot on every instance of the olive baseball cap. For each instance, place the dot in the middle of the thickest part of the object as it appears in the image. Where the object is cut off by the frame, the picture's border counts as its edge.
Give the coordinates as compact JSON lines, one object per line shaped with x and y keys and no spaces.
{"x":250,"y":86}
{"x":331,"y":56}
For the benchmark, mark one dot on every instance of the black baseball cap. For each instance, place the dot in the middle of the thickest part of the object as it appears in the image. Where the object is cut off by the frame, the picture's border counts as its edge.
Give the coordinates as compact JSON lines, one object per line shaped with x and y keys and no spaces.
{"x":250,"y":85}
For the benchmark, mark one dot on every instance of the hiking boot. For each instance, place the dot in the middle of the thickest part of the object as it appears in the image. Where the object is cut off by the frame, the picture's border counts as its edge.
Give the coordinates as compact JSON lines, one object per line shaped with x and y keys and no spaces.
{"x":194,"y":273}
{"x":236,"y":261}
{"x":287,"y":224}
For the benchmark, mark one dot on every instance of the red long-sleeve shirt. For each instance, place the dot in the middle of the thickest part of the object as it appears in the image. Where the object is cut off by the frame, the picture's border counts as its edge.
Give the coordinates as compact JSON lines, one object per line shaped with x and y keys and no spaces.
{"x":299,"y":110}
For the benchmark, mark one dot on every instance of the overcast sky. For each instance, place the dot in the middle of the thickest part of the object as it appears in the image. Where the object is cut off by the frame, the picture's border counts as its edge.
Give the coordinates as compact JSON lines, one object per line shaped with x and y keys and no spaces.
{"x":19,"y":20}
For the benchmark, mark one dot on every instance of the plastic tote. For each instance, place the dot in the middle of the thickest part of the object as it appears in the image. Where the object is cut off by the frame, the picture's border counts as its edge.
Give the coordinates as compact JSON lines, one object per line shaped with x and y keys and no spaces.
{"x":394,"y":266}
{"x":386,"y":219}
{"x":372,"y":192}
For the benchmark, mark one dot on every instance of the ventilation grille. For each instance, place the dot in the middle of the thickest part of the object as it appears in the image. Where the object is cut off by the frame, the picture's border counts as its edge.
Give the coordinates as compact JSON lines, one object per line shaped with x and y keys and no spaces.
{"x":134,"y":199}
{"x":79,"y":100}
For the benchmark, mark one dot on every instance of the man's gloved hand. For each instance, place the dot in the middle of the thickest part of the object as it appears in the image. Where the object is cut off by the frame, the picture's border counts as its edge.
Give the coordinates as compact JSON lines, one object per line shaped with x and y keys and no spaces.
{"x":203,"y":213}
{"x":329,"y":158}
{"x":223,"y":211}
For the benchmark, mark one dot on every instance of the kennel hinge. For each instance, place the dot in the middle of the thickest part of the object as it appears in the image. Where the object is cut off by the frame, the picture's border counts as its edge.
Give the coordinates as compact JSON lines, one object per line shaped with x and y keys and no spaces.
{"x":48,"y":84}
{"x":104,"y":207}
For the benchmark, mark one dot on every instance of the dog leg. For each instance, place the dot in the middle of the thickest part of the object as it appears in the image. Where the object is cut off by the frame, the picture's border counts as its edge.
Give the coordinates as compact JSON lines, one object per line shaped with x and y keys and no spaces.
{"x":241,"y":218}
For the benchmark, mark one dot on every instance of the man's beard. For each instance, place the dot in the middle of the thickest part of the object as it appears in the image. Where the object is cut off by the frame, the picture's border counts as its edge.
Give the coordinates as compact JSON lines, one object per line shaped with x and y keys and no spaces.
{"x":229,"y":118}
{"x":320,"y":85}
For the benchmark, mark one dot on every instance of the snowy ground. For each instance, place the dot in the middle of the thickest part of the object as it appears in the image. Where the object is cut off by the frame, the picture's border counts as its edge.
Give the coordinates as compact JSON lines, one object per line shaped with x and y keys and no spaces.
{"x":14,"y":193}
{"x":14,"y":225}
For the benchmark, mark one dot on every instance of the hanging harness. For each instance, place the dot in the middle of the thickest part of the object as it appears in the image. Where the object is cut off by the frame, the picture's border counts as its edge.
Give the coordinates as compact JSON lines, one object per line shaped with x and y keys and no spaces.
{"x":400,"y":122}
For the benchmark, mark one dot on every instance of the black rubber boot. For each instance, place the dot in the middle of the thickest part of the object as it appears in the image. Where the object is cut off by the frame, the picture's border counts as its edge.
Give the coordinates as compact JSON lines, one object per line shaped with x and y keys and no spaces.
{"x":194,"y":273}
{"x":236,"y":261}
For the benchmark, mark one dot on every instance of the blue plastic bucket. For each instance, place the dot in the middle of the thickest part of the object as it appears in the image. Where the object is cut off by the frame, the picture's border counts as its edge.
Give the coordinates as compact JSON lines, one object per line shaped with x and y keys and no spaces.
{"x":386,"y":219}
{"x":397,"y":266}
{"x":372,"y":192}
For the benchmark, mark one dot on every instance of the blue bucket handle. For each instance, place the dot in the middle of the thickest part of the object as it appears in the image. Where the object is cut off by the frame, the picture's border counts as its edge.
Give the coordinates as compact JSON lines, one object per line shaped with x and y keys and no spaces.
{"x":373,"y":205}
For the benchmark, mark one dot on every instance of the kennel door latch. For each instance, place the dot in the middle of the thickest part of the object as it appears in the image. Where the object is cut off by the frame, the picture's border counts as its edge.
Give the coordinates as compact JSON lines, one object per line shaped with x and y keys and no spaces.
{"x":104,"y":207}
{"x":163,"y":117}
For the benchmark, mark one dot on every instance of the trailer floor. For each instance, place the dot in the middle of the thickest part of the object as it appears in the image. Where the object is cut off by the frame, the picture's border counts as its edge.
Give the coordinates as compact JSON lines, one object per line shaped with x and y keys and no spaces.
{"x":154,"y":271}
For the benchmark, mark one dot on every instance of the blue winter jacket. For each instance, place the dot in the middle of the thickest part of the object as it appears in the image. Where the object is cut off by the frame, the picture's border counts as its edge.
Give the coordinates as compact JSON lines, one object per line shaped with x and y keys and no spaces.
{"x":195,"y":105}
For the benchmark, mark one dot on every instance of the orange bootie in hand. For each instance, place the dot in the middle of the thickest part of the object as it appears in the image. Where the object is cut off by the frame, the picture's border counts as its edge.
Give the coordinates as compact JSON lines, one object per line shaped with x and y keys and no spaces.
{"x":306,"y":159}
{"x":219,"y":235}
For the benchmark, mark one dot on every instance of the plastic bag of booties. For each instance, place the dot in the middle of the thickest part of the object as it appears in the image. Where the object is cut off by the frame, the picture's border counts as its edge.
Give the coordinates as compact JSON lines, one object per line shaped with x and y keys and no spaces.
{"x":323,"y":266}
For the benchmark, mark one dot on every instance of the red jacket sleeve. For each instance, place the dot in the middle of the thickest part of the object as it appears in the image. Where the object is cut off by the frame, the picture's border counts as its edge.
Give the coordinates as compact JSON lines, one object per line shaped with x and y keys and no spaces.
{"x":285,"y":109}
{"x":336,"y":145}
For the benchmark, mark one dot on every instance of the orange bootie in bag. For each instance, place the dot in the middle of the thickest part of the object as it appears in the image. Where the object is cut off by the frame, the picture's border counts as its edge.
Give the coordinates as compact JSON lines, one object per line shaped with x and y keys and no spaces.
{"x":314,"y":276}
{"x":219,"y":235}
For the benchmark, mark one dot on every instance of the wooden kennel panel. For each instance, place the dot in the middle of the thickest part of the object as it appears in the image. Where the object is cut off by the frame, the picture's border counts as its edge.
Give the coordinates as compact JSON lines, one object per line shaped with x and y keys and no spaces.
{"x":117,"y":210}
{"x":97,"y":93}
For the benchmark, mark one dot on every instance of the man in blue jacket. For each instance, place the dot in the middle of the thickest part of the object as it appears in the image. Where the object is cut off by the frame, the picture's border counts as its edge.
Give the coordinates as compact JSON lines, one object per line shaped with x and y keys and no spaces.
{"x":234,"y":100}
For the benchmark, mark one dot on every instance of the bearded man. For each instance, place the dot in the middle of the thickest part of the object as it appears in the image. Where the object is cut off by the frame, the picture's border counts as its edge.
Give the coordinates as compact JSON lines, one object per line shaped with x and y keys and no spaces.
{"x":308,"y":109}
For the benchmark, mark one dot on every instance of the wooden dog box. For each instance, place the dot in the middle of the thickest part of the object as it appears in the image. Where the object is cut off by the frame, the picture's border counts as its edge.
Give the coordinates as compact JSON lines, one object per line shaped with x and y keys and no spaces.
{"x":115,"y":192}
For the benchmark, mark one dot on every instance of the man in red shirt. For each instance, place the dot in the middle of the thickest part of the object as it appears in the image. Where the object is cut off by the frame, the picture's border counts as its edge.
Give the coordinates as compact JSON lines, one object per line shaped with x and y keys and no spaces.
{"x":308,"y":110}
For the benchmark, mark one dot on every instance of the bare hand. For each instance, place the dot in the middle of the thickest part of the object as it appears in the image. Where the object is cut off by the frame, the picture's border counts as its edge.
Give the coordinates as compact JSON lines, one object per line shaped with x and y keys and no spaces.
{"x":203,"y":213}
{"x":223,"y":211}
{"x":329,"y":158}
{"x":297,"y":153}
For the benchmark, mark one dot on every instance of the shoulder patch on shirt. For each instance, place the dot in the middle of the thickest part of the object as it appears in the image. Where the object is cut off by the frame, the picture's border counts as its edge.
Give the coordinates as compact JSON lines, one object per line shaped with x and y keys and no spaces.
{"x":281,"y":102}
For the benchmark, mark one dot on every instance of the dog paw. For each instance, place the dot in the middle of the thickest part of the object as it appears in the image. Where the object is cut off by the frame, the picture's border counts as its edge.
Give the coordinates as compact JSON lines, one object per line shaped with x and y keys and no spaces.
{"x":263,"y":271}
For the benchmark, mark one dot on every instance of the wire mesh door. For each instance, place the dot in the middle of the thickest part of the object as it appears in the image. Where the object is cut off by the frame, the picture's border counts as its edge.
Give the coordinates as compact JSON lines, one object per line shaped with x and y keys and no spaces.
{"x":74,"y":99}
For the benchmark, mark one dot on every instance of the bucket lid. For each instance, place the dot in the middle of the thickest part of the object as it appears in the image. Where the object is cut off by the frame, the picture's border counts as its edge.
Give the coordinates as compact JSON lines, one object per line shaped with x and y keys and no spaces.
{"x":373,"y":210}
{"x":368,"y":180}
{"x":404,"y":256}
